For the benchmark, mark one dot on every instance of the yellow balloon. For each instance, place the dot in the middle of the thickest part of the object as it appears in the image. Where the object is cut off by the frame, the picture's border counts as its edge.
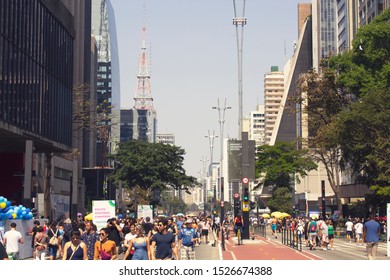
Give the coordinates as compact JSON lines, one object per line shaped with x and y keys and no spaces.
{"x":3,"y":205}
{"x":14,"y":215}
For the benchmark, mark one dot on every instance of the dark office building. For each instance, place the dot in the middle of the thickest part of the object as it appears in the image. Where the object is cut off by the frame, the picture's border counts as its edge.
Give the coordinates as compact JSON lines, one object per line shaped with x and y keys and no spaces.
{"x":137,"y":124}
{"x":36,"y":79}
{"x":36,"y":49}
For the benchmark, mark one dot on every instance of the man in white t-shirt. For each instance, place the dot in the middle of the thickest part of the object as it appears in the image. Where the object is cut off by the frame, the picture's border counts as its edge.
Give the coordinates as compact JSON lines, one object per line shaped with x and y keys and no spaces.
{"x":12,"y":238}
{"x":359,"y":232}
{"x":348,"y":229}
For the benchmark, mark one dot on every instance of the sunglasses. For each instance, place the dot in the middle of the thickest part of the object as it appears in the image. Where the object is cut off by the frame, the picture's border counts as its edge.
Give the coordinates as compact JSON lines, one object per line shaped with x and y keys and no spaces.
{"x":101,"y":234}
{"x":160,"y":225}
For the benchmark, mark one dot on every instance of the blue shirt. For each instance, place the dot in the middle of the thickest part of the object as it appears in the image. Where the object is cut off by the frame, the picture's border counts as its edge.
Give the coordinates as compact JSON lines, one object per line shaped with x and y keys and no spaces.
{"x":372,"y":228}
{"x":187,"y":235}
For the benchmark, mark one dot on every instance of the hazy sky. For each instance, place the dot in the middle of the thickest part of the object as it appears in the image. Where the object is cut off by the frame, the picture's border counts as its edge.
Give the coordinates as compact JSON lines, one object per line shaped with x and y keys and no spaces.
{"x":193,"y":52}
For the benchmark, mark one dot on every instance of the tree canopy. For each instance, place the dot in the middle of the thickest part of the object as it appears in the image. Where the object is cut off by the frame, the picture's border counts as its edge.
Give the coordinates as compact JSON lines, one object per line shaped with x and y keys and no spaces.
{"x":151,"y":166}
{"x":275,"y":164}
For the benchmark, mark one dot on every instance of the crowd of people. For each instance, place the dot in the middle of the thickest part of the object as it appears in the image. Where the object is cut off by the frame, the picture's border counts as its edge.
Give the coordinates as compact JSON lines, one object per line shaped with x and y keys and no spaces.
{"x":319,"y":233}
{"x":131,"y":239}
{"x":171,"y":237}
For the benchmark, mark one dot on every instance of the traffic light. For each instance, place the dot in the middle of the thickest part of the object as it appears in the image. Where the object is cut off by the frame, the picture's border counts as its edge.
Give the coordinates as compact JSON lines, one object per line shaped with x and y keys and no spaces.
{"x":246,"y":194}
{"x":252,"y":205}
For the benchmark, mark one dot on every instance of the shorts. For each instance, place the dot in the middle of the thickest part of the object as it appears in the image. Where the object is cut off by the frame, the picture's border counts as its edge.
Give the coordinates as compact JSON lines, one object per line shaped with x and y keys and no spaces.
{"x":331,"y":236}
{"x":349,"y":233}
{"x":205,"y":232}
{"x":273,"y":227}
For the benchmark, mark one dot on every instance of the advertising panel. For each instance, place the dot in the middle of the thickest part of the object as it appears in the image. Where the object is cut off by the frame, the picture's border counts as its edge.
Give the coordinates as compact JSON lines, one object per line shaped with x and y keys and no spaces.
{"x":235,"y":160}
{"x":102,"y":210}
{"x":145,"y":211}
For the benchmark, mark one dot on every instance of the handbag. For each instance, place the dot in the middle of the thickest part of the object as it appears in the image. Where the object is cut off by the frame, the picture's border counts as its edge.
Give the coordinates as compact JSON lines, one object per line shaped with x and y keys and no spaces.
{"x":104,"y":255}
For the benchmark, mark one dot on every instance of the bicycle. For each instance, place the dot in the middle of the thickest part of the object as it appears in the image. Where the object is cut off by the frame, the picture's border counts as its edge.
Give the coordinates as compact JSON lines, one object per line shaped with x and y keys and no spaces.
{"x":238,"y":233}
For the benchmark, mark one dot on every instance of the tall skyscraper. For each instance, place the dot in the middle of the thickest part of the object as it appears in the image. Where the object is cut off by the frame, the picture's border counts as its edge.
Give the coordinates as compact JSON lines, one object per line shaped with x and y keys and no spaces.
{"x":273,"y":95}
{"x":108,"y":80}
{"x":324,"y":13}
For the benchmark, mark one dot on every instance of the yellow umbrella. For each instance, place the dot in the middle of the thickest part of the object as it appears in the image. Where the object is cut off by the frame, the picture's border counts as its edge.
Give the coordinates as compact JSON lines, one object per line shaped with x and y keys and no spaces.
{"x":276,"y":214}
{"x":284,"y":215}
{"x":88,"y":217}
{"x":265,"y":216}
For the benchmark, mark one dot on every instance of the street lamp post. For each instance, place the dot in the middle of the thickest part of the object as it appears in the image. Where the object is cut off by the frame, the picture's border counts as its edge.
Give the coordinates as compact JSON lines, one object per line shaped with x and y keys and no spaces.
{"x":211,"y":143}
{"x":221,"y":120}
{"x":203,"y":178}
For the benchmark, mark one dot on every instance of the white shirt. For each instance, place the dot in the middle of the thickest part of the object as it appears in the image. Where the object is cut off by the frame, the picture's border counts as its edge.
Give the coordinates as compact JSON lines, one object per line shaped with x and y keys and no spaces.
{"x":359,"y":228}
{"x":128,"y":237}
{"x":349,"y":226}
{"x":13,"y":237}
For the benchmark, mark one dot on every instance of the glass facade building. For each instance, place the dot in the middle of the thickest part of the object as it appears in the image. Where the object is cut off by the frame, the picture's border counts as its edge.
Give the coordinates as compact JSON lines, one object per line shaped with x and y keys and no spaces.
{"x":108,"y":80}
{"x":36,"y":62}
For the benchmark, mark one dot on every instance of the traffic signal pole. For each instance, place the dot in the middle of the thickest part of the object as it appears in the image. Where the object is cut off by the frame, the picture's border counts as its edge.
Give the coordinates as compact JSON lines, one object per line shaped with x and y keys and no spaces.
{"x":245,"y":184}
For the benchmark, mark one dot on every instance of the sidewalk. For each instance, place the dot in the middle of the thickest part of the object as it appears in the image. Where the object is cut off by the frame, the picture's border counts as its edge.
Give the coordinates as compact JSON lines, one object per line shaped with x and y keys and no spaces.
{"x":208,"y":251}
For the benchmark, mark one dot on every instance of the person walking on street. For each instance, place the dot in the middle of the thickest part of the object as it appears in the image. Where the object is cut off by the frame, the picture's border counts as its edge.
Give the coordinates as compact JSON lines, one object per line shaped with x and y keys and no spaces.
{"x":349,"y":230}
{"x":188,"y":236}
{"x":163,"y":243}
{"x":32,"y":233}
{"x":330,"y":233}
{"x":12,"y":238}
{"x":114,"y":232}
{"x":312,"y":233}
{"x":359,"y":232}
{"x":105,"y":249}
{"x":75,"y":249}
{"x":139,"y":245}
{"x":371,"y":235}
{"x":53,"y":234}
{"x":90,"y":237}
{"x":40,"y":244}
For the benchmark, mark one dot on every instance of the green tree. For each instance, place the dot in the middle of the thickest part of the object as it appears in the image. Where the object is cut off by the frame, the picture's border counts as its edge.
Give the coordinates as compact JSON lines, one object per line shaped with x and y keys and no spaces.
{"x":151,"y":166}
{"x":363,"y":131}
{"x":276,"y":164}
{"x":321,"y":101}
{"x":367,"y":65}
{"x":281,"y":200}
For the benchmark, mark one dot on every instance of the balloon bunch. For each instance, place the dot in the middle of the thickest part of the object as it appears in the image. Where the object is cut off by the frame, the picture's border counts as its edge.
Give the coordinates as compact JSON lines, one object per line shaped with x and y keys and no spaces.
{"x":9,"y":212}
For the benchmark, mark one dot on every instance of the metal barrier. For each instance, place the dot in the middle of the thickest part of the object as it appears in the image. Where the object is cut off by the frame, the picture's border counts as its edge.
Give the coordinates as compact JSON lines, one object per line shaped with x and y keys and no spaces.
{"x":291,"y":239}
{"x":260,"y":230}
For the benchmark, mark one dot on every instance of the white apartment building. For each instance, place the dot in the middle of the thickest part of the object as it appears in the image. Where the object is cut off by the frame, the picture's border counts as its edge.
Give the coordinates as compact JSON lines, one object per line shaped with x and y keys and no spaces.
{"x":273,"y":94}
{"x":257,"y":125}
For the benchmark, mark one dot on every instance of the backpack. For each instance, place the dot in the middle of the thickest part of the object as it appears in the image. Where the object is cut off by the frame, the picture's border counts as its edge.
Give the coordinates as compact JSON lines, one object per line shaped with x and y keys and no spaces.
{"x":313,"y":227}
{"x":54,"y":239}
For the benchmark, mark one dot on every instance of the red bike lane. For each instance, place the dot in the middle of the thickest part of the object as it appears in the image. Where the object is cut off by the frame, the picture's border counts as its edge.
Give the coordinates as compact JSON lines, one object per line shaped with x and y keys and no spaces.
{"x":263,"y":249}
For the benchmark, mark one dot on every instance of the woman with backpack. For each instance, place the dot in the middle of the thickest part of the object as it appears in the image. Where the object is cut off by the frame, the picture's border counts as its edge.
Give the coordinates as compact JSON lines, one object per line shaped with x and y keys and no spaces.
{"x":53,"y":235}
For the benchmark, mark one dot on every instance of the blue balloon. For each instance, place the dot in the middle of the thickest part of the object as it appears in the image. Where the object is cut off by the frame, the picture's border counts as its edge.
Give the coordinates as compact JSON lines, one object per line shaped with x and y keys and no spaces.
{"x":23,"y":208}
{"x":1,"y":198}
{"x":8,"y":203}
{"x":28,"y":210}
{"x":9,"y":217}
{"x":24,"y":213}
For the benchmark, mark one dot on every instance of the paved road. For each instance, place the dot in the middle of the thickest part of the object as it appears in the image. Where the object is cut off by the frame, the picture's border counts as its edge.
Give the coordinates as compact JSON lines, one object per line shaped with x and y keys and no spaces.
{"x":268,"y":248}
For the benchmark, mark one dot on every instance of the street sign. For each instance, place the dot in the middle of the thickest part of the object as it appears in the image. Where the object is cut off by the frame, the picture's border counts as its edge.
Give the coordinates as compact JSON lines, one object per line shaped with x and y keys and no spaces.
{"x":245,"y":180}
{"x":236,"y":195}
{"x":245,"y":207}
